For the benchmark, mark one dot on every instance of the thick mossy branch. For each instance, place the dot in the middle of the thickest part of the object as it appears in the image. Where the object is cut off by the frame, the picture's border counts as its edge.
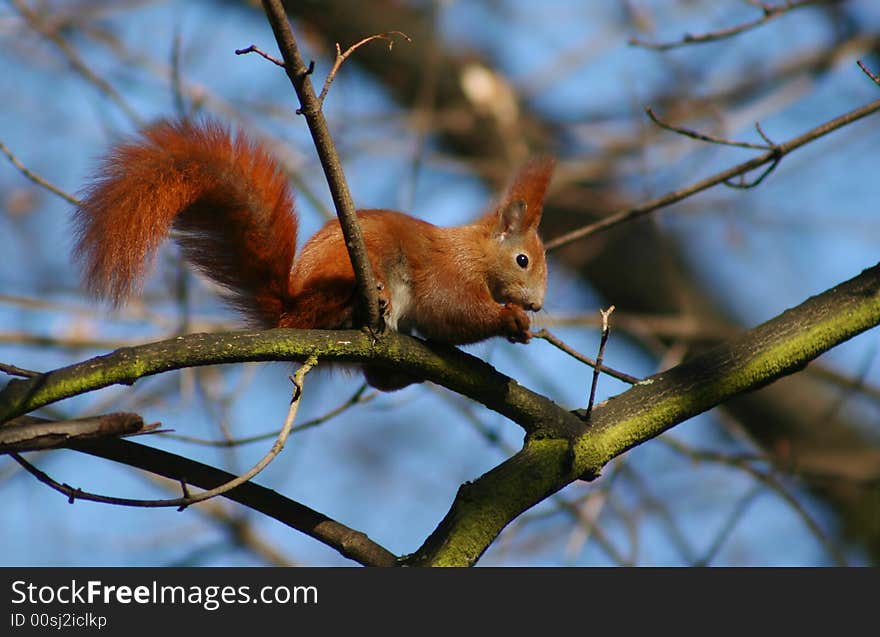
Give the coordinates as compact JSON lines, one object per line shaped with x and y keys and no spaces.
{"x":446,"y":366}
{"x":778,"y":347}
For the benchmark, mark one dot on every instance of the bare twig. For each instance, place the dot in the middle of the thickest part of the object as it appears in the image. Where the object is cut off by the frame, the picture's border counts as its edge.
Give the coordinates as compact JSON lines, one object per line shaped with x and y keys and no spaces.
{"x":36,"y":178}
{"x":27,"y":433}
{"x":12,"y":370}
{"x":368,"y":301}
{"x":253,"y":48}
{"x":560,"y":344}
{"x":702,"y":136}
{"x":359,"y":397}
{"x":771,"y":157}
{"x":868,"y":72}
{"x":744,"y":183}
{"x":769,"y":12}
{"x":606,"y":329}
{"x":341,"y":57}
{"x":187,"y":499}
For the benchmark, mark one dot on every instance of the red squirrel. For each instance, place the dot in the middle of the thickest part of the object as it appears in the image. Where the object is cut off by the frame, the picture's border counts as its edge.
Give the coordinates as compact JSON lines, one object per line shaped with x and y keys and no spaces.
{"x":232,"y":209}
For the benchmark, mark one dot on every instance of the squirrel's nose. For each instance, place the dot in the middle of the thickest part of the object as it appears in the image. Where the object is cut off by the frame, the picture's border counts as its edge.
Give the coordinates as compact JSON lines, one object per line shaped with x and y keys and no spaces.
{"x":534,"y":307}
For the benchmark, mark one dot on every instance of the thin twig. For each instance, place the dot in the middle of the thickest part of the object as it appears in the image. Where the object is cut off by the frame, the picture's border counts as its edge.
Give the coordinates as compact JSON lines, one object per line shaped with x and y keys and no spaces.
{"x":606,"y":329}
{"x":35,"y":177}
{"x":253,"y":48}
{"x":357,"y":398}
{"x":742,"y":183}
{"x":342,"y":57}
{"x":29,"y":433}
{"x":771,"y":157}
{"x":12,"y":370}
{"x":298,"y":72}
{"x":187,"y":499}
{"x":868,"y":72}
{"x":560,"y":344}
{"x":687,"y":132}
{"x":770,"y":12}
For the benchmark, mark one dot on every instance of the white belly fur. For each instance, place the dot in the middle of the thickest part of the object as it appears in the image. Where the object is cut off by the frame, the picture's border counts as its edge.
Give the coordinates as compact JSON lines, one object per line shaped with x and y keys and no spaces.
{"x":401,"y":300}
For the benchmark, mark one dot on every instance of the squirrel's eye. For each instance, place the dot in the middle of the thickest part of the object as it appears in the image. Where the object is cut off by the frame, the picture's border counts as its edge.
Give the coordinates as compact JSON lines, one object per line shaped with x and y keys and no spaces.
{"x":522,"y":260}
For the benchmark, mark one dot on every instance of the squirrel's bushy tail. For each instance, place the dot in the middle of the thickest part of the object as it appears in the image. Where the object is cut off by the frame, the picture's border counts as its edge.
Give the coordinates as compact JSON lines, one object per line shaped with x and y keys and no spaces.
{"x":226,"y":198}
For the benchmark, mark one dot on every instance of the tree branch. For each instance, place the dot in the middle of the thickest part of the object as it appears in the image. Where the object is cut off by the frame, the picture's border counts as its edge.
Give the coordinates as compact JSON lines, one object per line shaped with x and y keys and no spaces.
{"x":298,"y":73}
{"x":40,"y":181}
{"x":780,"y":346}
{"x":27,"y":433}
{"x":771,"y":157}
{"x":560,"y":447}
{"x":349,"y":542}
{"x":768,"y":11}
{"x":447,"y":366}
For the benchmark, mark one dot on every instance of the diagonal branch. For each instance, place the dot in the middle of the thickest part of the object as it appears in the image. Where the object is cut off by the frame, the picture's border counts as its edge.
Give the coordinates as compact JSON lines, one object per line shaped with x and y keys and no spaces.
{"x":768,"y":12}
{"x":298,"y":73}
{"x":771,"y":157}
{"x":40,"y":181}
{"x":780,"y":346}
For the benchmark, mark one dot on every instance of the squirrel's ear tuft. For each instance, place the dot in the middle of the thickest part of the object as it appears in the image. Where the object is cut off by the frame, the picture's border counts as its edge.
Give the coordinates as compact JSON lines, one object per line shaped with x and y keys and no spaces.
{"x":529,"y":185}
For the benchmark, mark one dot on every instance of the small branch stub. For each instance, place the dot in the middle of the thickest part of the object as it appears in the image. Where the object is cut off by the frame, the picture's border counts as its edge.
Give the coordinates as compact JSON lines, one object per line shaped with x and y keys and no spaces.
{"x":606,"y":329}
{"x":868,"y":72}
{"x":253,"y":48}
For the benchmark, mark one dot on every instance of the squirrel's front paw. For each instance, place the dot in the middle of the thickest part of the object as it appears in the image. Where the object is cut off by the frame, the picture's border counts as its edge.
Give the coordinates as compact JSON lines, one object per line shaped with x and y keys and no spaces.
{"x":515,"y":323}
{"x":384,"y":300}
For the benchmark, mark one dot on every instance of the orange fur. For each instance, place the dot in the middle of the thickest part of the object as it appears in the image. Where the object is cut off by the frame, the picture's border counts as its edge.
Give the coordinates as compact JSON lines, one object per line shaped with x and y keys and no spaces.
{"x":227,"y":198}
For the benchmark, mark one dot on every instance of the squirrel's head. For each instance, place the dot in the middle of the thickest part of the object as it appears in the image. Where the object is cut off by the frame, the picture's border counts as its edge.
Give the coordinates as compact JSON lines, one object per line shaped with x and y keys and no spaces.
{"x":518,"y":269}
